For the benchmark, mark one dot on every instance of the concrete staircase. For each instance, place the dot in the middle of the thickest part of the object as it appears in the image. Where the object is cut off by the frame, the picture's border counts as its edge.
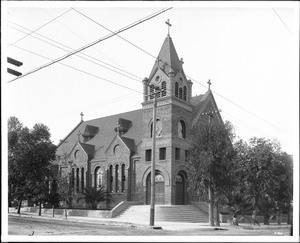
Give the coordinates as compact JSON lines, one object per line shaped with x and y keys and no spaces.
{"x":169,"y":213}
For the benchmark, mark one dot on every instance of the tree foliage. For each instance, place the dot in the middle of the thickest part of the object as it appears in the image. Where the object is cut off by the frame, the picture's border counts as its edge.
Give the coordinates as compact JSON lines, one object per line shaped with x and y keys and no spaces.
{"x":65,"y":190}
{"x":211,"y":156}
{"x":246,"y":176}
{"x":264,"y":174}
{"x":93,"y":196}
{"x":30,"y":152}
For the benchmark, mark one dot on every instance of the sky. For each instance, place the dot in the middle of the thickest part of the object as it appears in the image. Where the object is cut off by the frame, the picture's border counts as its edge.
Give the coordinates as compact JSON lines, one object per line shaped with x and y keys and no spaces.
{"x":248,"y":51}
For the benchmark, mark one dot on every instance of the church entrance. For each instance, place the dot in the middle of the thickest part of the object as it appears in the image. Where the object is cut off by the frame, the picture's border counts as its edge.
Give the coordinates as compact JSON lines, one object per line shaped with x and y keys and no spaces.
{"x":180,"y":190}
{"x":159,"y":189}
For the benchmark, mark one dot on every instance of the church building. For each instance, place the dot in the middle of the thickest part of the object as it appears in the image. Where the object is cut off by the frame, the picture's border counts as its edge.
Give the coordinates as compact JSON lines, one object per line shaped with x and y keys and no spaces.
{"x":116,"y":151}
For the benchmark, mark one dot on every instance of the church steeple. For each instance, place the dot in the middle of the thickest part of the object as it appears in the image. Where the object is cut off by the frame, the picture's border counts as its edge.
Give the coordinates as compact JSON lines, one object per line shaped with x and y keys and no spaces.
{"x":167,"y":59}
{"x":167,"y":74}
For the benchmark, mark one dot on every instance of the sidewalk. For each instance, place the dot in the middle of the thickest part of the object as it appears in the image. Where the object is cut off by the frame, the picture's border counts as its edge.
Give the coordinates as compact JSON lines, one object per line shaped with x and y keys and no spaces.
{"x":116,"y":221}
{"x":174,"y":226}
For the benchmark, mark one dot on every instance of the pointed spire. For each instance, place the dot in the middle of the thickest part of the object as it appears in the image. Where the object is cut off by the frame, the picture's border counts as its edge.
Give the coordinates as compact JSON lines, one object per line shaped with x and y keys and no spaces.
{"x":168,"y":58}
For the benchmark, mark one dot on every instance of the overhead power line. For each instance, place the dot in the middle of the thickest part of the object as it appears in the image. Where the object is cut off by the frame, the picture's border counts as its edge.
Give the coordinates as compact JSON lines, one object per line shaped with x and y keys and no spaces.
{"x":93,"y":43}
{"x":81,"y":55}
{"x":117,"y":34}
{"x":282,"y":22}
{"x":82,"y":71}
{"x":234,"y":103}
{"x":41,"y":27}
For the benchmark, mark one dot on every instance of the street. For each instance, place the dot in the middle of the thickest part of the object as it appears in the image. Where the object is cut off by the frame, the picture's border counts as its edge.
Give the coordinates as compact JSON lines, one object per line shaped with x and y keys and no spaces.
{"x":48,"y":226}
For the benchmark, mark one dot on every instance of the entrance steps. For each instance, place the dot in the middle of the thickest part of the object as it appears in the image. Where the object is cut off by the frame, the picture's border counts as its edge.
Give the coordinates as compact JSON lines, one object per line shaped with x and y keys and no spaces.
{"x":169,"y":213}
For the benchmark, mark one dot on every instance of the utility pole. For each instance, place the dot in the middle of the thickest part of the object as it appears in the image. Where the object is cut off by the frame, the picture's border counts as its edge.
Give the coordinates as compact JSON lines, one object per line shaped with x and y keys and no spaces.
{"x":210,"y":189}
{"x":152,"y":199}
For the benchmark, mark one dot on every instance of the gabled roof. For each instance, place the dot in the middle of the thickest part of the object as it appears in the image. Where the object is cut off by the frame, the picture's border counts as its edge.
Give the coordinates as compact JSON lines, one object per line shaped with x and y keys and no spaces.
{"x":106,"y":133}
{"x":168,"y":58}
{"x":201,"y":103}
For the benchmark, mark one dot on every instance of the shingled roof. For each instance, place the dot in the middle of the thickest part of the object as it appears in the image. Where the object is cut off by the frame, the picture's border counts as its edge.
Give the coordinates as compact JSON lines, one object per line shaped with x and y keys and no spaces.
{"x":106,"y":133}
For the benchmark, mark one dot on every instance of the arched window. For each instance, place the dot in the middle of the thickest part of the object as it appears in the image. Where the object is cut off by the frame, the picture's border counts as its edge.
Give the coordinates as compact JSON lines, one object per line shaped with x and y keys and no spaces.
{"x":151,"y":92}
{"x":110,"y":178}
{"x":164,"y":88}
{"x":184,"y":92}
{"x":158,"y":128}
{"x":117,"y":177}
{"x":180,"y":93}
{"x":176,"y":89}
{"x":123,"y":178}
{"x":82,"y":179}
{"x":181,"y":129}
{"x":77,"y":180}
{"x":73,"y":178}
{"x":98,"y":177}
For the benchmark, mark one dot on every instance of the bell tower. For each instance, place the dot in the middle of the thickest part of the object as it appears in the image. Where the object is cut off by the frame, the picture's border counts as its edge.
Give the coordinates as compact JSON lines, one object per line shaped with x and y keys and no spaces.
{"x":173,"y":118}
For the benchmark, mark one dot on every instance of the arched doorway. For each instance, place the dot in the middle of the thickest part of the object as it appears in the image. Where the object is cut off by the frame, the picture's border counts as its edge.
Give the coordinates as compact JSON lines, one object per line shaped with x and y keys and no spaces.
{"x":159,"y":188}
{"x":180,"y":197}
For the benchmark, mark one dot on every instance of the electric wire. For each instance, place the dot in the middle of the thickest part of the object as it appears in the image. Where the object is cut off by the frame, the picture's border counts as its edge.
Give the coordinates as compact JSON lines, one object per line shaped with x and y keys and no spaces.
{"x":91,"y":44}
{"x":41,"y":26}
{"x":282,"y":22}
{"x":81,"y":38}
{"x":80,"y":70}
{"x":80,"y":55}
{"x":188,"y":76}
{"x":234,"y":103}
{"x":117,"y":35}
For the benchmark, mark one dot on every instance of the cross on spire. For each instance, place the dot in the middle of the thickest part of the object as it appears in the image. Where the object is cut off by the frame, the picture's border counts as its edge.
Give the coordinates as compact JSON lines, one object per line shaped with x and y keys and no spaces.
{"x":209,"y":84}
{"x":169,"y":25}
{"x":81,"y":114}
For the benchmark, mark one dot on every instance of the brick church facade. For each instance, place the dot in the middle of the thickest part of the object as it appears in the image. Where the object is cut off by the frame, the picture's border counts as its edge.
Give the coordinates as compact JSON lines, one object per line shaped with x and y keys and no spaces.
{"x":115,"y":151}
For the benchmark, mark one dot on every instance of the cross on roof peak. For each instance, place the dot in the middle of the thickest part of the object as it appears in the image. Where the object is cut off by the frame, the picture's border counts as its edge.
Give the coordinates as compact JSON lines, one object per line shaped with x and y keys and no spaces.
{"x":169,"y":25}
{"x":81,"y":114}
{"x":209,"y":84}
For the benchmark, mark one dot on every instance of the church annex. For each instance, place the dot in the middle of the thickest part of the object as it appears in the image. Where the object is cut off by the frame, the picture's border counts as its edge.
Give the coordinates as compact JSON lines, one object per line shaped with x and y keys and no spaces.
{"x":115,"y":151}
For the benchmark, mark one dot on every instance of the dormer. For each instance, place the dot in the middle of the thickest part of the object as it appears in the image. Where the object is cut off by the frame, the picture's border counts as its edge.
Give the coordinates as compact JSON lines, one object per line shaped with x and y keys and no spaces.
{"x":89,"y":132}
{"x":123,"y":126}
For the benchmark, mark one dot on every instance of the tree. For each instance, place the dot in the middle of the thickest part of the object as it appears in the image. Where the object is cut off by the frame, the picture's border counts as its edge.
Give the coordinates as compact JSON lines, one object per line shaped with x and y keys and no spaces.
{"x":30,"y":153}
{"x":210,"y":163}
{"x":53,"y":198}
{"x":263,"y":176}
{"x":65,"y":190}
{"x":93,"y":196}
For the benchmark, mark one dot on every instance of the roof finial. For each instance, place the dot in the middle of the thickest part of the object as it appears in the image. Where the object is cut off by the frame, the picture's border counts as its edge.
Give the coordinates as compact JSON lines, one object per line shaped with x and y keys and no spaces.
{"x":169,"y":25}
{"x":209,"y":83}
{"x":81,"y":114}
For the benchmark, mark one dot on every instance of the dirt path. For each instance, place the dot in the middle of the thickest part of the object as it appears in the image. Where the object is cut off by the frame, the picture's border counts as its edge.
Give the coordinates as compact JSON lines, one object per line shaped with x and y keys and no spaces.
{"x":47,"y":227}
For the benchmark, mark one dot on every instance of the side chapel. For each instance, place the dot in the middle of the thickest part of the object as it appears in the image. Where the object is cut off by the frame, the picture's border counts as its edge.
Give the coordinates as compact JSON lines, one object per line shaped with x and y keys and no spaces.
{"x":115,"y":151}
